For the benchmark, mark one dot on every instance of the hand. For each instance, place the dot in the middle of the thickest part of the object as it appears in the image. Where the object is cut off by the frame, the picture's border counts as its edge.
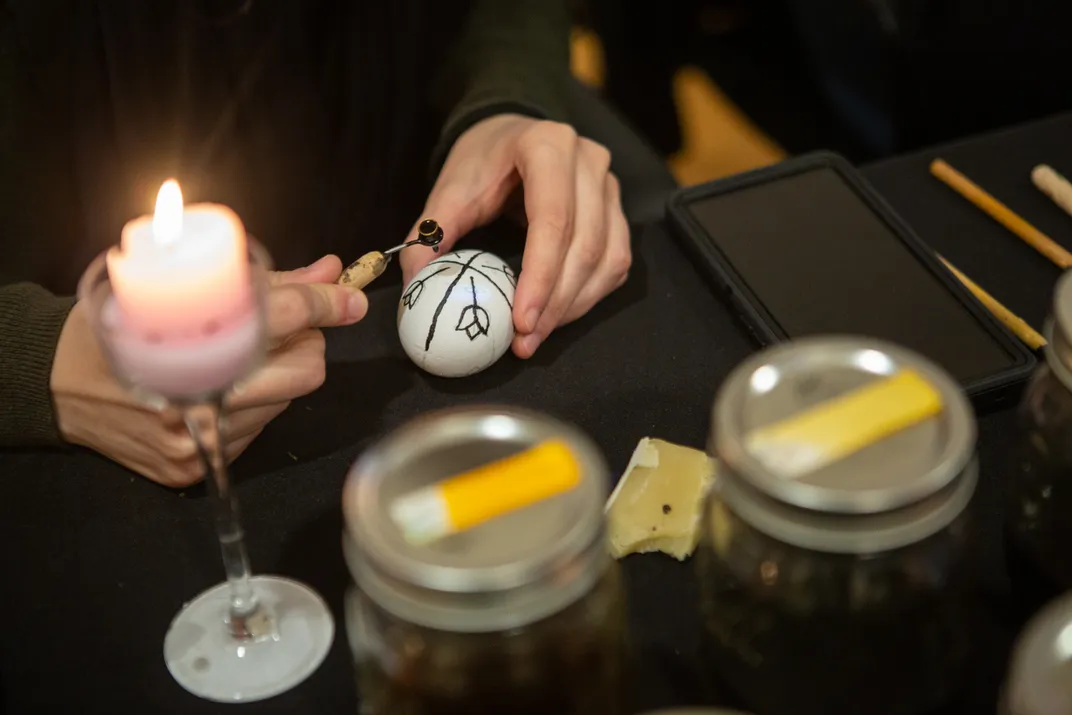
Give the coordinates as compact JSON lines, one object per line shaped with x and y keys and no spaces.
{"x":94,"y":411}
{"x":577,"y":248}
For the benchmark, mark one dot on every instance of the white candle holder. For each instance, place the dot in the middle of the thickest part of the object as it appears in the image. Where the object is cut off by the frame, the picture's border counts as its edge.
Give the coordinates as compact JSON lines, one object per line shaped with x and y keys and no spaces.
{"x":249,"y":638}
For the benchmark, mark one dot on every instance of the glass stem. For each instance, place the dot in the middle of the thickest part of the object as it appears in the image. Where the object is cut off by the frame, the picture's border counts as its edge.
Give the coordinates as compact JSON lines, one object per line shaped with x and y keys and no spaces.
{"x":205,"y":423}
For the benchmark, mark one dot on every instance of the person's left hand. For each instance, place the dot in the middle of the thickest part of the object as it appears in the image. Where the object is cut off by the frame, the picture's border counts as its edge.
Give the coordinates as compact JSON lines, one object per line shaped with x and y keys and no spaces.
{"x":577,"y":249}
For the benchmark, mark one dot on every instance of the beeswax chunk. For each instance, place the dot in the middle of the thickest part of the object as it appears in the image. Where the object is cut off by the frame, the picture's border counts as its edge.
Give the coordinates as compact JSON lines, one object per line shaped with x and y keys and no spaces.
{"x":658,"y":502}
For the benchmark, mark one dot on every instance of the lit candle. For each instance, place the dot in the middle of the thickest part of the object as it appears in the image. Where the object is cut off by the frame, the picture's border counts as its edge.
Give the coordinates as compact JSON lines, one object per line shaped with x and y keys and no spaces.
{"x":183,"y":317}
{"x":183,"y":271}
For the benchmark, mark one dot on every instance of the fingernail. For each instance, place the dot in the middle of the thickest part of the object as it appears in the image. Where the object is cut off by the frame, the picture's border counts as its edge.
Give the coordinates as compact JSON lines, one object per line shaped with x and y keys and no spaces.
{"x":356,"y":305}
{"x":530,"y":342}
{"x":531,"y":318}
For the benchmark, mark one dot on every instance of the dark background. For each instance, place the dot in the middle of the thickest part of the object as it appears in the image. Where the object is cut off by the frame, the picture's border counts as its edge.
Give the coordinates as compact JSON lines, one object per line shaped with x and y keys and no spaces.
{"x":867,"y":78}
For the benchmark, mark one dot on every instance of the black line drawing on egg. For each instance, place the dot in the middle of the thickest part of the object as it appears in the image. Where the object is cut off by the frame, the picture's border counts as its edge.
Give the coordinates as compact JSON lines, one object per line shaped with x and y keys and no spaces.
{"x":409,"y":299}
{"x":479,"y":323}
{"x":505,"y":270}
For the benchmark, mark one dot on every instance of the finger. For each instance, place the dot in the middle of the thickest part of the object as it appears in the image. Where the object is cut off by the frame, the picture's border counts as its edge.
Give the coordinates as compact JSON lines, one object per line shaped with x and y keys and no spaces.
{"x":475,"y":182}
{"x":613,"y":270}
{"x":586,"y":247}
{"x":324,"y":270}
{"x":462,"y":200}
{"x":176,"y":445}
{"x":252,"y":419}
{"x":454,"y":213}
{"x":234,"y":449}
{"x":294,"y":307}
{"x":177,"y":472}
{"x":180,"y":475}
{"x":547,"y":165}
{"x":171,"y":418}
{"x":174,"y":475}
{"x":289,"y":373}
{"x":163,"y":453}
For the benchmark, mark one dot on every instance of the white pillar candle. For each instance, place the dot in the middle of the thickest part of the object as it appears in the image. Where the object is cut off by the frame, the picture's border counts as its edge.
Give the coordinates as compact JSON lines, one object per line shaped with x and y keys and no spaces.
{"x":182,"y":272}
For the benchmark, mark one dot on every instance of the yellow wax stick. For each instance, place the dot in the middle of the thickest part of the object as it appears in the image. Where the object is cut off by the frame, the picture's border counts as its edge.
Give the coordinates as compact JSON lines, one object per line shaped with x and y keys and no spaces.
{"x":470,"y":499}
{"x":835,"y":429}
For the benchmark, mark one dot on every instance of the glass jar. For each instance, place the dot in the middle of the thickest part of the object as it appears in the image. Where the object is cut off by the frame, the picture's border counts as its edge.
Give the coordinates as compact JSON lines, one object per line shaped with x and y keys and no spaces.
{"x":522,"y":614}
{"x":1039,"y":509}
{"x":1040,"y":671}
{"x":845,"y":590}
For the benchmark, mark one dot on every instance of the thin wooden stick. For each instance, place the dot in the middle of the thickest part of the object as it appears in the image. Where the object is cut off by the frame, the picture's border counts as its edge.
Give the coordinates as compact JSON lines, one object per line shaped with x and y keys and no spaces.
{"x":1017,"y":325}
{"x":1001,"y":213}
{"x":1053,"y":185}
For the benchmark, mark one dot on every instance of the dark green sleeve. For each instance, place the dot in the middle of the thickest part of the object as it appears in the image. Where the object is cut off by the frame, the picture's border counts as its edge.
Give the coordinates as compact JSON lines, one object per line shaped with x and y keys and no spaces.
{"x":512,"y":57}
{"x":31,"y":319}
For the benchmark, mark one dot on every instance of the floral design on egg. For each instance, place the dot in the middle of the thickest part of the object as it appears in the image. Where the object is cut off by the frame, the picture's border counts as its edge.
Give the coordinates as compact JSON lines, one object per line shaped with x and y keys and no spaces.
{"x":479,"y":322}
{"x":505,"y":270}
{"x":466,"y":265}
{"x":410,"y":297}
{"x":456,"y":315}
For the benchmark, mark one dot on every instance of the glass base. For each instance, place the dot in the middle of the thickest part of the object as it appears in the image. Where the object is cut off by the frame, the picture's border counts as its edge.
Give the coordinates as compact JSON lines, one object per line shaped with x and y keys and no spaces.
{"x":209,"y":662}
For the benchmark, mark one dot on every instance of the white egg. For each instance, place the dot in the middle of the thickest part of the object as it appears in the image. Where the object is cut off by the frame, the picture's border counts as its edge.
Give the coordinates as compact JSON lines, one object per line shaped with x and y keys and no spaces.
{"x":455,"y":317}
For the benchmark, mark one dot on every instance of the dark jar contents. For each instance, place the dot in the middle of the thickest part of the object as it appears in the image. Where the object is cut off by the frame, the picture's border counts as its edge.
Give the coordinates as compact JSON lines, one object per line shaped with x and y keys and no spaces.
{"x":523,"y":613}
{"x":843,"y":589}
{"x":798,"y":632}
{"x":1039,"y":507}
{"x":571,"y":663}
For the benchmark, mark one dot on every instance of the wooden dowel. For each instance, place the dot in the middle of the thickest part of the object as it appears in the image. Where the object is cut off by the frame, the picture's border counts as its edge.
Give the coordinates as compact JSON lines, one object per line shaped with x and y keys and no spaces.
{"x":1001,"y":213}
{"x":1053,"y":185}
{"x":364,"y":270}
{"x":1017,"y":325}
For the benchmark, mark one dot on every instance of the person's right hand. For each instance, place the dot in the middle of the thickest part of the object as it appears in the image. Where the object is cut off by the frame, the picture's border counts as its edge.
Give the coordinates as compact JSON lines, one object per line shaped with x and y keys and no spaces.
{"x":94,"y":411}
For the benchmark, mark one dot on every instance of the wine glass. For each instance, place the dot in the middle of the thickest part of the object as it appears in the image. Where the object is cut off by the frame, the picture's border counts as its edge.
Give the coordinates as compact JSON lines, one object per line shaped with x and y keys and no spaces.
{"x":251,"y":637}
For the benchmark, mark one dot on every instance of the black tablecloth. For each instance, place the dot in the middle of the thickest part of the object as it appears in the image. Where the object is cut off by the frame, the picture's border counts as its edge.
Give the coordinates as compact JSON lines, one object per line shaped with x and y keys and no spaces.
{"x":95,"y":562}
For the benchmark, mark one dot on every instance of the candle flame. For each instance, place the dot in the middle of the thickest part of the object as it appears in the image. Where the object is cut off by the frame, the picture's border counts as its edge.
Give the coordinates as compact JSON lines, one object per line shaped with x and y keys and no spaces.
{"x":167,"y":220}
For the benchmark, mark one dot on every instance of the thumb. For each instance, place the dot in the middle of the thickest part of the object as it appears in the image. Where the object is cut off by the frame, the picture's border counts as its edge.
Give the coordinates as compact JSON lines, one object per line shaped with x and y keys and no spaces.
{"x":294,"y":307}
{"x":324,"y":270}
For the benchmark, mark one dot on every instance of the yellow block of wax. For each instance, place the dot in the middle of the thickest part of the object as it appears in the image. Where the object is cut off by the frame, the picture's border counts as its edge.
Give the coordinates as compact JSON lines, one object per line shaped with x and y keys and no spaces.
{"x":472,"y":498}
{"x":806,"y":442}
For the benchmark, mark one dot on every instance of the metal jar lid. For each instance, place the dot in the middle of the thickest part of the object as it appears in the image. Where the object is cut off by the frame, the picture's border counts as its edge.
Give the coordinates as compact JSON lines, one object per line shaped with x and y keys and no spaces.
{"x":892,"y":493}
{"x":1059,"y":331}
{"x":505,"y":573}
{"x":1040,"y":673}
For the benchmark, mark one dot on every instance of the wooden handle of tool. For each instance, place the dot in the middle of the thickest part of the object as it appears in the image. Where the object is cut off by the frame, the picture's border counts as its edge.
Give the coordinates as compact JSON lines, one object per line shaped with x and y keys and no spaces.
{"x":364,"y":270}
{"x":1017,"y":325}
{"x":1001,"y":213}
{"x":1053,"y":185}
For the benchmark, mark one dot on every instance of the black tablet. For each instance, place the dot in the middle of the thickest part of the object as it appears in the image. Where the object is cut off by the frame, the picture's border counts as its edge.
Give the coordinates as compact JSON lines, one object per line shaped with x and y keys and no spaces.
{"x":808,"y":247}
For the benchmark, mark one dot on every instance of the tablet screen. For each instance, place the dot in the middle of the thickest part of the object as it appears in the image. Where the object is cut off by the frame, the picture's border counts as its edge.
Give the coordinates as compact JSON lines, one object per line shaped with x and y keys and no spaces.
{"x":821,"y":261}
